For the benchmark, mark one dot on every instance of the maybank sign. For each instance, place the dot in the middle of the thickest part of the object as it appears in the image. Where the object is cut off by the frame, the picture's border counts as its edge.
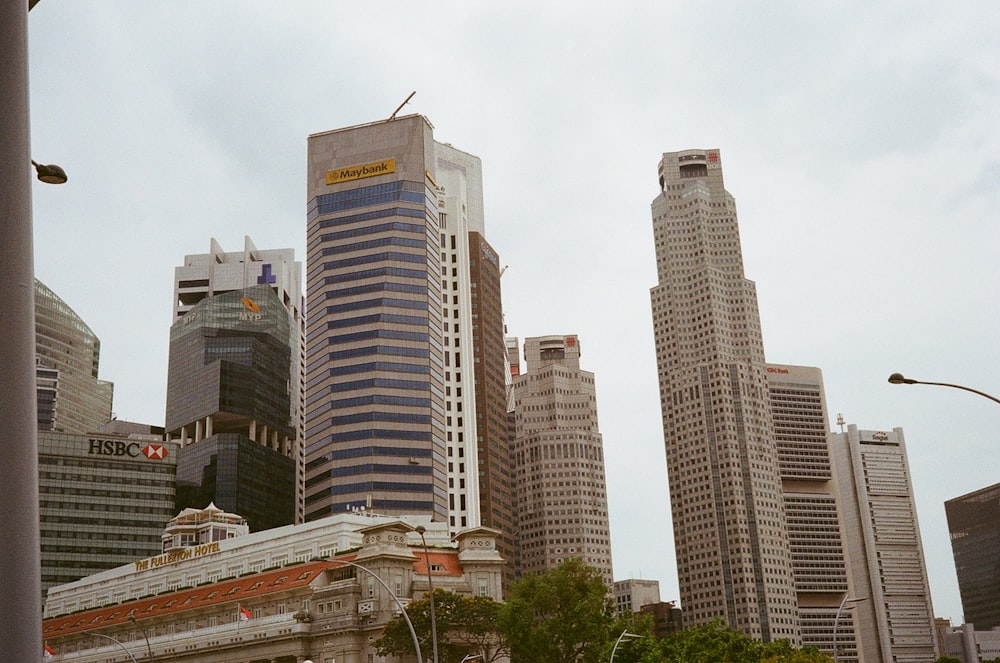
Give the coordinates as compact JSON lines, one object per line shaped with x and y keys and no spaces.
{"x":339,"y":175}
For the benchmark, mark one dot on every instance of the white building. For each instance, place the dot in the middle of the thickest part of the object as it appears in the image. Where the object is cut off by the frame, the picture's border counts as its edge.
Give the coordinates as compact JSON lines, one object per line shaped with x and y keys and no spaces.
{"x":559,"y":483}
{"x":895,"y":621}
{"x":632,"y":594}
{"x":726,"y":499}
{"x":321,"y":591}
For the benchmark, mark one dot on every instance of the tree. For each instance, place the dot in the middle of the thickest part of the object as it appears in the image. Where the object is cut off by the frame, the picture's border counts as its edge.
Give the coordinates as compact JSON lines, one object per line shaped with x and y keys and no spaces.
{"x":465,"y":626}
{"x":562,"y":615}
{"x":717,"y":643}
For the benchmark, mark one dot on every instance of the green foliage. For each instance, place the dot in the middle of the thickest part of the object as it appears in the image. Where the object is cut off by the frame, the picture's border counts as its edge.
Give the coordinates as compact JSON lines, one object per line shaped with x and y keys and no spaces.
{"x":465,"y":626}
{"x":717,"y":643}
{"x":950,"y":659}
{"x":560,"y":616}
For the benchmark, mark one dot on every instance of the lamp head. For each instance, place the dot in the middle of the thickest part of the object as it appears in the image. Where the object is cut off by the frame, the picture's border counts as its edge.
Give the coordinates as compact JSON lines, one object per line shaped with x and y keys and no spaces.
{"x":897,"y":378}
{"x":50,"y":174}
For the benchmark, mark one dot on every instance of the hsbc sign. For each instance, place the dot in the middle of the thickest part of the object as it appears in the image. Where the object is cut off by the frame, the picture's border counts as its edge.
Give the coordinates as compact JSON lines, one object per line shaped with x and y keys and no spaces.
{"x":118,"y":448}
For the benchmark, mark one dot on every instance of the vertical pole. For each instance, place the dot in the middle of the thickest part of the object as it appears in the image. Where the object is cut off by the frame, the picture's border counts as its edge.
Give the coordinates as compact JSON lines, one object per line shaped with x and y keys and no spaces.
{"x":20,"y":579}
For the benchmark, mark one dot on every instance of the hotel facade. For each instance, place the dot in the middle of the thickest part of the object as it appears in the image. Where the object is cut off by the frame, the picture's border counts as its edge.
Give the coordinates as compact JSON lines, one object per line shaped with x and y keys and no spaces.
{"x":320,"y":591}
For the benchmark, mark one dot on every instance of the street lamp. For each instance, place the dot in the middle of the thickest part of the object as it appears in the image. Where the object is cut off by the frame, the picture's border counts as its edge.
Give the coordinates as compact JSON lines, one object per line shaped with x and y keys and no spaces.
{"x":149,"y":650}
{"x":50,"y":174}
{"x":897,"y":378}
{"x":20,"y":549}
{"x":625,"y":634}
{"x":430,"y":588}
{"x":117,"y":642}
{"x":836,"y":620}
{"x":402,"y":608}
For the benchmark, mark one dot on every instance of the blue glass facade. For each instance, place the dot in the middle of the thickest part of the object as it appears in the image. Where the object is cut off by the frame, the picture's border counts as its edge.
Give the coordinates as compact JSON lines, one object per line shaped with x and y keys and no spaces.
{"x":374,"y":350}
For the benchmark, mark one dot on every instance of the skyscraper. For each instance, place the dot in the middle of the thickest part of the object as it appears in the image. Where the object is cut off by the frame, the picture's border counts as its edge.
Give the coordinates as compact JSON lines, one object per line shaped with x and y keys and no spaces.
{"x":974,"y":524}
{"x":798,"y":406}
{"x":234,"y":385}
{"x":71,"y":398}
{"x":558,"y":456}
{"x":405,"y":342}
{"x":726,"y":497}
{"x":895,"y":621}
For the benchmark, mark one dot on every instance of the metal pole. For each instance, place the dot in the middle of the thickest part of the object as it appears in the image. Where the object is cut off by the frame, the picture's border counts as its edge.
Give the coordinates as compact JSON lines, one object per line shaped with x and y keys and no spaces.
{"x":625,"y":634}
{"x":897,"y":378}
{"x":836,"y":620}
{"x":430,"y":588}
{"x":402,"y":608}
{"x":149,"y":650}
{"x":20,"y":582}
{"x":117,"y":642}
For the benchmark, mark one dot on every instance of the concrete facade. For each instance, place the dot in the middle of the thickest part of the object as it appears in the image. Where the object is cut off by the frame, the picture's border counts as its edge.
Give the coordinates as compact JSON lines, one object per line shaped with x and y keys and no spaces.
{"x":323,"y":608}
{"x":895,"y":622}
{"x":726,"y":497}
{"x":104,"y":499}
{"x":558,"y":452}
{"x":798,"y":407}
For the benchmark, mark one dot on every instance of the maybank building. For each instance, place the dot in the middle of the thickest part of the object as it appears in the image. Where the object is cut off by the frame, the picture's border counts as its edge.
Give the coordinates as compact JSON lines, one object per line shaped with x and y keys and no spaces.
{"x":375,"y":370}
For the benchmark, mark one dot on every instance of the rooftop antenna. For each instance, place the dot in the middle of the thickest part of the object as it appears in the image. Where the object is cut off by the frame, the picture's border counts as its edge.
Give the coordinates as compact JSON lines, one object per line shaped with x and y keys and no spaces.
{"x":840,"y":421}
{"x":405,"y":101}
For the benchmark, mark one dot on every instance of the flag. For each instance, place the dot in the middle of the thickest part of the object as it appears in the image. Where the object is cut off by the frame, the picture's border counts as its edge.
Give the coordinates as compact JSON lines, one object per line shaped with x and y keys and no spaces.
{"x":48,"y":652}
{"x":245,"y":614}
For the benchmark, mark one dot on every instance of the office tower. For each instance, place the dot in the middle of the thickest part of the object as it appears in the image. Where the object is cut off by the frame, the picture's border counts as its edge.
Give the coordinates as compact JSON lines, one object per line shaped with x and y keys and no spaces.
{"x":71,"y":398}
{"x":493,"y":435}
{"x":558,"y":454}
{"x":895,"y":621}
{"x":234,"y":386}
{"x":733,"y":558}
{"x":632,"y":594}
{"x":798,"y":407}
{"x":104,"y":498}
{"x":395,"y":330}
{"x":974,"y":525}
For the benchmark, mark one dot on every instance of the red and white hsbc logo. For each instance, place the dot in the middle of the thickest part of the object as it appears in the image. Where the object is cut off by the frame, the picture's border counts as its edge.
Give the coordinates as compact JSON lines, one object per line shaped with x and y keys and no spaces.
{"x":155,"y":451}
{"x":126,"y":448}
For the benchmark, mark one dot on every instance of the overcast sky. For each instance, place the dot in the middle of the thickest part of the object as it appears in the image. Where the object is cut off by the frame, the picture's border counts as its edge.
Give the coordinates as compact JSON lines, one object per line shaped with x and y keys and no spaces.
{"x":860,"y":139}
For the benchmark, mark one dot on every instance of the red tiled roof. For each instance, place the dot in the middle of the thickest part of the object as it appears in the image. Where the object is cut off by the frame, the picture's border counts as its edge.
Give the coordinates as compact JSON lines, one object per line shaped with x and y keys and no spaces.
{"x":238,"y":591}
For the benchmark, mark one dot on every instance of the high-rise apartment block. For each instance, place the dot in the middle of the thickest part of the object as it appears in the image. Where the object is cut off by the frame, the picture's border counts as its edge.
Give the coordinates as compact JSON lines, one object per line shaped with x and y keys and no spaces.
{"x":974,"y":524}
{"x":798,"y":406}
{"x":234,"y":384}
{"x":558,"y":452}
{"x":404,"y":320}
{"x":71,"y":398}
{"x":727,"y":501}
{"x":894,"y":622}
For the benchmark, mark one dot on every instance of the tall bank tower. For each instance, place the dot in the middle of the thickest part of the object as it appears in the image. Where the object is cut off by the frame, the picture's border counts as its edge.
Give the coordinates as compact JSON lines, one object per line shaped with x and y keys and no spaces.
{"x":733,"y":558}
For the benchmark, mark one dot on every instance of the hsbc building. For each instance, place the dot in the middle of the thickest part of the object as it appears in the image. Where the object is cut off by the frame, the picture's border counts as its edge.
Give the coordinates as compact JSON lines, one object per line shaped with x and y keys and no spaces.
{"x":104,"y":498}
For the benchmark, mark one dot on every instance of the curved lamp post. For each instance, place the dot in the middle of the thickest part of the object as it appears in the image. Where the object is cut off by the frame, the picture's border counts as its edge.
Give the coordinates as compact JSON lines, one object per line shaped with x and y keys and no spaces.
{"x":625,"y":634}
{"x":402,"y":608}
{"x":149,"y":650}
{"x":117,"y":642}
{"x":897,"y":378}
{"x":836,"y":620}
{"x":430,"y":588}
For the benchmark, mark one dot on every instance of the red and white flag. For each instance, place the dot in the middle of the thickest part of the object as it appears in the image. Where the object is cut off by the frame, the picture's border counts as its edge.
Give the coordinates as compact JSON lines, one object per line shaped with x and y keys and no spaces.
{"x":245,"y":614}
{"x":48,"y":652}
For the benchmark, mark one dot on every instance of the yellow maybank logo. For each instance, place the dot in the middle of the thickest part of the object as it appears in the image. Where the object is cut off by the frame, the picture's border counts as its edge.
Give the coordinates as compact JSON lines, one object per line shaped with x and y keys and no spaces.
{"x":361,"y":172}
